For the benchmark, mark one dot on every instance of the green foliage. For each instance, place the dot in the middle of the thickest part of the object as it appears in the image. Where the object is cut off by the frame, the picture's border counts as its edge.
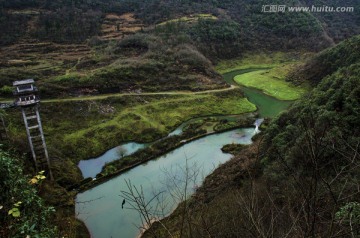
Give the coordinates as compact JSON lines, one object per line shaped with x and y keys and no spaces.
{"x":339,"y":26}
{"x":234,"y":149}
{"x":67,"y":25}
{"x":15,"y":212}
{"x":23,"y":213}
{"x":6,"y":90}
{"x":227,"y":125}
{"x":2,"y":112}
{"x":312,"y":142}
{"x":84,"y":129}
{"x":350,"y":212}
{"x":328,"y":62}
{"x":272,"y":83}
{"x":153,"y":64}
{"x":12,"y":27}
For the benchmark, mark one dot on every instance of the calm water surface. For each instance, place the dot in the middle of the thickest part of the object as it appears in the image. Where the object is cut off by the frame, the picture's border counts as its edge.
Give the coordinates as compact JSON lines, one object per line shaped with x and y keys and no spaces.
{"x":100,"y":207}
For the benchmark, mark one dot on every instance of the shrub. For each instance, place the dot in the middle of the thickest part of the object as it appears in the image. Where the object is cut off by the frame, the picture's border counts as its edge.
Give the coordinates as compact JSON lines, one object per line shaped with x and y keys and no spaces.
{"x":22,"y":212}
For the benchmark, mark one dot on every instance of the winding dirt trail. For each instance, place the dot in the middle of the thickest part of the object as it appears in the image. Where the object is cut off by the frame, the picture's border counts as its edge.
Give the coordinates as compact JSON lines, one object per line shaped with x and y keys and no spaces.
{"x":104,"y":96}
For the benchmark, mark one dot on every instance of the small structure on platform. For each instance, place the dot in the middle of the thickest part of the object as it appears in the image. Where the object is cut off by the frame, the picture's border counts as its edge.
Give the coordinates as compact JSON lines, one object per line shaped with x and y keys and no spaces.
{"x":28,"y":100}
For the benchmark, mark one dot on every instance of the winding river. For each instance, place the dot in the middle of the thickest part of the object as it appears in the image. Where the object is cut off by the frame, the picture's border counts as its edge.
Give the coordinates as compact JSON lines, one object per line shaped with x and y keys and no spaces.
{"x":100,"y":207}
{"x":267,"y":106}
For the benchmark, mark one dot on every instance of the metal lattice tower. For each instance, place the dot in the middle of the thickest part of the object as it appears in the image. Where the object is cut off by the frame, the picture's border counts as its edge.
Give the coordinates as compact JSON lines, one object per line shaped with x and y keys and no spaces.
{"x":28,"y":101}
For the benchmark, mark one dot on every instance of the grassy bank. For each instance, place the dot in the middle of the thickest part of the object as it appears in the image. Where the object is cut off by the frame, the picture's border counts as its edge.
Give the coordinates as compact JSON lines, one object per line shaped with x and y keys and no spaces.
{"x":83,"y":129}
{"x":267,"y":72}
{"x":193,"y":131}
{"x":272,"y":82}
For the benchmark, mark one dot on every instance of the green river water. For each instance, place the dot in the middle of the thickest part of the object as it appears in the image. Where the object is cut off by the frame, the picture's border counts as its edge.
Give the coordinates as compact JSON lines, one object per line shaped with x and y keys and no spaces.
{"x":100,"y":207}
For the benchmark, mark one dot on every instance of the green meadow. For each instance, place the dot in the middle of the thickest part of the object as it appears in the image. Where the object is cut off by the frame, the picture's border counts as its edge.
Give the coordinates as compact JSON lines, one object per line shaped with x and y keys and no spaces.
{"x":271,"y":82}
{"x":86,"y":128}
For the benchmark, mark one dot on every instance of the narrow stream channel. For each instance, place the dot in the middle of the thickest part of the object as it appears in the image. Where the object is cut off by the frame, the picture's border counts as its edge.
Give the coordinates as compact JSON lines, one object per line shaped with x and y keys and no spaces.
{"x":100,"y":207}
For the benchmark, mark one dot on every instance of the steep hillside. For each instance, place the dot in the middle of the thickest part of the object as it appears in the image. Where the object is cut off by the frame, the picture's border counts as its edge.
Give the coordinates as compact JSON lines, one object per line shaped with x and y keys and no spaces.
{"x":70,"y":47}
{"x":337,"y":26}
{"x":327,"y":62}
{"x":142,"y":62}
{"x":300,"y":179}
{"x":75,"y":21}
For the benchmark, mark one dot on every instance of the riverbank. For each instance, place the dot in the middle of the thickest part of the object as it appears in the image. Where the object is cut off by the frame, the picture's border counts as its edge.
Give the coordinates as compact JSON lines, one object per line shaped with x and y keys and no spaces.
{"x":159,"y":148}
{"x":272,"y":82}
{"x":211,"y":200}
{"x":146,"y":155}
{"x":104,"y":182}
{"x":78,"y":130}
{"x":198,"y":157}
{"x":94,"y":126}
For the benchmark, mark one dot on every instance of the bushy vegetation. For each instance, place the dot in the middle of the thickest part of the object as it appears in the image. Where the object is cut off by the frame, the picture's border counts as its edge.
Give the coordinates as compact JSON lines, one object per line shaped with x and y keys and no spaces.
{"x":67,"y":25}
{"x":339,"y":26}
{"x":174,"y":55}
{"x":227,"y":125}
{"x":232,"y":148}
{"x":22,"y":212}
{"x":256,"y":29}
{"x":300,"y":179}
{"x":329,"y":61}
{"x":12,"y":27}
{"x":141,"y":62}
{"x":316,"y":142}
{"x":218,"y":38}
{"x":83,"y":129}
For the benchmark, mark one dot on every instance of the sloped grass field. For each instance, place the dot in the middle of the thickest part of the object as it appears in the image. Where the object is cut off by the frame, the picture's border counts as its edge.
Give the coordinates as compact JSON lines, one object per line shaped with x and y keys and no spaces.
{"x":84,"y":129}
{"x":261,"y":60}
{"x":272,"y":82}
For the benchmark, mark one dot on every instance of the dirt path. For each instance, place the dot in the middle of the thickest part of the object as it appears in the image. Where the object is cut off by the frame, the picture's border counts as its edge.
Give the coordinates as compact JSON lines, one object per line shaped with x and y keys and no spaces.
{"x":104,"y":96}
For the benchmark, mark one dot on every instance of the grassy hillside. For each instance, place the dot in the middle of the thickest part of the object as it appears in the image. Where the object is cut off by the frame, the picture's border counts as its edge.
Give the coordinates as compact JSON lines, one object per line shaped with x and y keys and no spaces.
{"x":82,"y":129}
{"x":75,"y":21}
{"x":141,"y":62}
{"x":300,"y":179}
{"x":97,"y":46}
{"x":328,"y":61}
{"x":338,"y":26}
